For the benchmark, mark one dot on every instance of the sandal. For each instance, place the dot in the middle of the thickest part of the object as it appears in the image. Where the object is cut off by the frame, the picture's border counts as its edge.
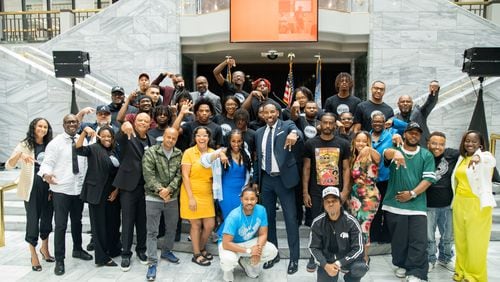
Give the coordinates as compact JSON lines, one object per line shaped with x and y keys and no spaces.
{"x":202,"y":262}
{"x":207,"y":255}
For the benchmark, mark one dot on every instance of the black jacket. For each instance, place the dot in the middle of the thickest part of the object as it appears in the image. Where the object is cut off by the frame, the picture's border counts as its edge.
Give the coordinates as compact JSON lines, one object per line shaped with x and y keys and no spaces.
{"x":347,"y":233}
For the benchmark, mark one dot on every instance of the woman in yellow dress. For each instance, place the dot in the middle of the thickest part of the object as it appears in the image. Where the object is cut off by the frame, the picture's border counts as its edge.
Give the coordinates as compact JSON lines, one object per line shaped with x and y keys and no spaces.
{"x":196,"y":201}
{"x":472,"y":207}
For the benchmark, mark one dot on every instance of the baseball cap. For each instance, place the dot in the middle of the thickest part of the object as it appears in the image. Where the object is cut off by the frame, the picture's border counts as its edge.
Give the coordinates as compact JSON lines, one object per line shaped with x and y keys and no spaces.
{"x":413,"y":125}
{"x":144,"y":74}
{"x":330,"y":190}
{"x":117,"y":89}
{"x":102,"y":109}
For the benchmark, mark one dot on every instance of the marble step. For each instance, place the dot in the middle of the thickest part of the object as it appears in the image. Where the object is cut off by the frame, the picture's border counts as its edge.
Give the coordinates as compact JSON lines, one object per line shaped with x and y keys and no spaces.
{"x":185,"y":246}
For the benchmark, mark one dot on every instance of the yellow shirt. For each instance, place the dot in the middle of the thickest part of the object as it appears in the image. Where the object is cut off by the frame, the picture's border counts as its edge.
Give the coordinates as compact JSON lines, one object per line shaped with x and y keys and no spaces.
{"x":463,"y":187}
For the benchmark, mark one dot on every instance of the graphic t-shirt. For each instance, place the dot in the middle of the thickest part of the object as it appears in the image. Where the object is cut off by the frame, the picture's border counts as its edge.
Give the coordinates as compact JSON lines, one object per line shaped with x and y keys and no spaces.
{"x":243,"y":227}
{"x":326,"y":162}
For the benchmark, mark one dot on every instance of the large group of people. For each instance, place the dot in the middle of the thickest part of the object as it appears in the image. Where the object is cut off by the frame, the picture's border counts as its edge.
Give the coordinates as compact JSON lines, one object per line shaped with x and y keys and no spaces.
{"x":354,"y":172}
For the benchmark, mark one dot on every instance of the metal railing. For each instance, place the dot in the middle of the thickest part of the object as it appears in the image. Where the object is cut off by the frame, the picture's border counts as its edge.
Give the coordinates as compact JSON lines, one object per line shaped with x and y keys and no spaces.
{"x":197,"y":7}
{"x":36,"y":26}
{"x":29,"y":26}
{"x":82,"y":15}
{"x":476,"y":7}
{"x":4,"y":188}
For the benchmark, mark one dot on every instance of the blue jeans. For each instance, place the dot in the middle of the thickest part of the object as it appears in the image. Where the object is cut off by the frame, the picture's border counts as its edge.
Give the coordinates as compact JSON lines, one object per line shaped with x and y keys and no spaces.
{"x":442,"y":218}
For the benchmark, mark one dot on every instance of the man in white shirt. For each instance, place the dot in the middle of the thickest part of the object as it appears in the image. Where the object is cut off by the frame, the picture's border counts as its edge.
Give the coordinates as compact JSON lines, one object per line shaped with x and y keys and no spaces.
{"x":65,"y":172}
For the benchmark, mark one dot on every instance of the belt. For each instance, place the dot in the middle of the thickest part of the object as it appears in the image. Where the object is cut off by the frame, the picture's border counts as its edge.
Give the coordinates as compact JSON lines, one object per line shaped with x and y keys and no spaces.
{"x":272,"y":174}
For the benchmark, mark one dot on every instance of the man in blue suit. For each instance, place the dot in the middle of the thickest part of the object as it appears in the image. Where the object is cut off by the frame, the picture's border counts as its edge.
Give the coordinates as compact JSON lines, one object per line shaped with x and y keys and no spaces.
{"x":276,"y":174}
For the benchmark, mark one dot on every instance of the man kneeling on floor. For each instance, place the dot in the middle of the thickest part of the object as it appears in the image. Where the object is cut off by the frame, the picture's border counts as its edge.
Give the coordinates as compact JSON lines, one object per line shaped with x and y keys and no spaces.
{"x":336,"y":242}
{"x":244,"y":238}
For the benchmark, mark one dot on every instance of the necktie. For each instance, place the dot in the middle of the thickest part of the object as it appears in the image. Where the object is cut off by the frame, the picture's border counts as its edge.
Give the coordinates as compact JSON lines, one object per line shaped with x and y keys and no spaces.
{"x":74,"y":157}
{"x":269,"y":150}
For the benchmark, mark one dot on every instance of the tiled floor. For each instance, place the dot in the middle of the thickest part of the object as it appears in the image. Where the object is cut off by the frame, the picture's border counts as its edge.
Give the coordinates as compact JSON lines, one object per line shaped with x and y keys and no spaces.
{"x":15,"y":266}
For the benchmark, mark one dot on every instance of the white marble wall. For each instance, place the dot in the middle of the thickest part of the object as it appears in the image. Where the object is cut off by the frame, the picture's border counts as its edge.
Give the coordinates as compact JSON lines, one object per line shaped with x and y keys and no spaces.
{"x":415,"y":41}
{"x":27,"y":93}
{"x":126,"y":39}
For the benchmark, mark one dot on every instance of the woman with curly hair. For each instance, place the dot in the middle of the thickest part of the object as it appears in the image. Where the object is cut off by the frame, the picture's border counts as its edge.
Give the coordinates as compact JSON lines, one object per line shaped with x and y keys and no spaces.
{"x":365,"y":197}
{"x":33,"y":190}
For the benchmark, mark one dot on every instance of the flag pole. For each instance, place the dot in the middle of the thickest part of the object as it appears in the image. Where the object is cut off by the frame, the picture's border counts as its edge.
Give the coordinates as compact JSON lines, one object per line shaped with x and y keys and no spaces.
{"x":287,"y":96}
{"x":317,"y":89}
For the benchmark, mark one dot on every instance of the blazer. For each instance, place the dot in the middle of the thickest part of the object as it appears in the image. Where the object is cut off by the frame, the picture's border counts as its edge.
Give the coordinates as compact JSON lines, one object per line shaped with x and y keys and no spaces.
{"x":100,"y":173}
{"x":287,"y":163}
{"x":211,"y":97}
{"x":129,"y":174}
{"x":479,"y":177}
{"x":27,"y":174}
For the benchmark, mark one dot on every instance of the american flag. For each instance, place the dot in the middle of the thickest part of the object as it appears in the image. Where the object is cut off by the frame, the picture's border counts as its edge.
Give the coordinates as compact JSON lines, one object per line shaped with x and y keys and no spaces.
{"x":287,"y":96}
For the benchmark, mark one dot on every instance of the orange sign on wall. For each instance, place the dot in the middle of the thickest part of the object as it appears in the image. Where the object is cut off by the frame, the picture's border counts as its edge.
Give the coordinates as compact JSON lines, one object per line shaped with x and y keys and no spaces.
{"x":273,"y":20}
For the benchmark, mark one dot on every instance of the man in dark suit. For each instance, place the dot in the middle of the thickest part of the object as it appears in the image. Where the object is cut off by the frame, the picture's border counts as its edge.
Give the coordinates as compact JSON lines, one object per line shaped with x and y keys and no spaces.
{"x":276,"y":174}
{"x":133,"y":141}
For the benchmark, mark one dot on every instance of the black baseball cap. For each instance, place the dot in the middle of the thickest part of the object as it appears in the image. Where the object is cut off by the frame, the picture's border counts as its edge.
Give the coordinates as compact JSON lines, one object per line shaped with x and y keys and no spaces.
{"x":413,"y":125}
{"x":117,"y":89}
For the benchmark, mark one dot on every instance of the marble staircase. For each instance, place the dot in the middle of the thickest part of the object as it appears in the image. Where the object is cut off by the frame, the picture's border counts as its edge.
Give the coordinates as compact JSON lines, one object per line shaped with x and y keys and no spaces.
{"x":15,"y":221}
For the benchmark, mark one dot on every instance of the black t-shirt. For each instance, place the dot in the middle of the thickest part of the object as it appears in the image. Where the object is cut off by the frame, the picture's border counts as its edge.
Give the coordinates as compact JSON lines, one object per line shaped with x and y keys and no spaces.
{"x":308,"y":127}
{"x":187,"y":134}
{"x":39,"y":156}
{"x":157,"y":134}
{"x":326,"y":163}
{"x":440,"y":193}
{"x":337,"y":105}
{"x":225,"y":123}
{"x":364,"y":112}
{"x":230,"y":89}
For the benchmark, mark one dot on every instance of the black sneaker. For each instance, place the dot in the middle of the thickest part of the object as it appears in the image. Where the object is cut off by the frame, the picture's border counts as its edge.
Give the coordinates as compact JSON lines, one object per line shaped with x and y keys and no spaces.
{"x":143,"y":259}
{"x":311,"y":265}
{"x":125,"y":265}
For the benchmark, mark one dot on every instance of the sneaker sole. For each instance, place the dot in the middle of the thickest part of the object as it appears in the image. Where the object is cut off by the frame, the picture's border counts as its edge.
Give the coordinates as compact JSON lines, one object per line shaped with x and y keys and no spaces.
{"x":245,"y":270}
{"x":310,"y":269}
{"x":143,"y":262}
{"x":125,"y":269}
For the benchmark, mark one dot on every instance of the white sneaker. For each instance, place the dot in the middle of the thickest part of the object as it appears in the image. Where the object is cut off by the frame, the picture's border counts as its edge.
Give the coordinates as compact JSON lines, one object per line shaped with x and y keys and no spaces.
{"x":411,"y":278}
{"x":400,"y":272}
{"x":448,"y":265}
{"x":250,"y":271}
{"x":431,"y":266}
{"x":228,"y":276}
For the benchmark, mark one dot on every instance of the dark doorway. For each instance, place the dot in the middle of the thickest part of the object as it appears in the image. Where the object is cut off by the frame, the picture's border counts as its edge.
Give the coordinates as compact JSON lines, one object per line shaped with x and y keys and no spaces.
{"x":303,"y":74}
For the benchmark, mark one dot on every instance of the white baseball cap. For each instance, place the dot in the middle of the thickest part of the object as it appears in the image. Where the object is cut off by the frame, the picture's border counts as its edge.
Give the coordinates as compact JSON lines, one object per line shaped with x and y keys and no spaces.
{"x":330,"y":190}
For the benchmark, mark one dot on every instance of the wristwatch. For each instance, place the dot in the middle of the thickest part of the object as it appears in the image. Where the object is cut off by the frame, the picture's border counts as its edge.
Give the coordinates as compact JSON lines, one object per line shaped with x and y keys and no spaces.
{"x":413,"y":194}
{"x":248,"y":251}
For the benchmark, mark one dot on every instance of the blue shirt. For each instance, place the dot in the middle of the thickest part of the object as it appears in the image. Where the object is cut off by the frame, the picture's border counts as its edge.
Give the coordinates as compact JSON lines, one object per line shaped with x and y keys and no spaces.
{"x":384,"y":142}
{"x":243,"y":227}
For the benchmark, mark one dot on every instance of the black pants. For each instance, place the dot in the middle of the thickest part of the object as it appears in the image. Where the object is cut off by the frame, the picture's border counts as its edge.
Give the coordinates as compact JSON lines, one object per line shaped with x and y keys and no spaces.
{"x":64,"y":205}
{"x":409,"y":243}
{"x":356,"y":269}
{"x":273,"y":188}
{"x":39,"y":212}
{"x":378,"y":229}
{"x":105,"y":222}
{"x":133,"y":214}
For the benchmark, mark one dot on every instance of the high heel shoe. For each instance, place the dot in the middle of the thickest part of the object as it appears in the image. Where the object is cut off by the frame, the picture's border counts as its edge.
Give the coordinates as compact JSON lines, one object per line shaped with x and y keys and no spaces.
{"x":48,"y":258}
{"x":36,"y":268}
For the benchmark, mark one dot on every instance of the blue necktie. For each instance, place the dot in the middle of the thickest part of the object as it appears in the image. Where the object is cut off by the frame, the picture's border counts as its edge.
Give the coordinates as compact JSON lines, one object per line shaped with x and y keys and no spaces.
{"x":269,"y":150}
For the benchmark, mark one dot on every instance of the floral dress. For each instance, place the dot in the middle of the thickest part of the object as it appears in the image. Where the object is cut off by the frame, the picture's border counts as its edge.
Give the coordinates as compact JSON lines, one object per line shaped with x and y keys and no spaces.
{"x":365,"y":197}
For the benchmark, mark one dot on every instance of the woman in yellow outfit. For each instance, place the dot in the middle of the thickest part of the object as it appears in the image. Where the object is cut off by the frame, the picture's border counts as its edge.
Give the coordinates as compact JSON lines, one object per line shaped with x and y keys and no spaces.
{"x":196,"y":200}
{"x":472,"y":208}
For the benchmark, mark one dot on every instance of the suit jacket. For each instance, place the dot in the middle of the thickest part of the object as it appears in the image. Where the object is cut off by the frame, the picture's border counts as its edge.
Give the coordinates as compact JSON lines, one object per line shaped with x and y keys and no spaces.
{"x":100,"y":173}
{"x":129,"y":174}
{"x":215,"y":99}
{"x":286,"y":160}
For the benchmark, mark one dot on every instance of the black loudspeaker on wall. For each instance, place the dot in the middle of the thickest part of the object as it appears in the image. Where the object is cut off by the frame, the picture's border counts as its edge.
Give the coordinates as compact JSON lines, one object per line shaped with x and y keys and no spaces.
{"x":482,"y":61}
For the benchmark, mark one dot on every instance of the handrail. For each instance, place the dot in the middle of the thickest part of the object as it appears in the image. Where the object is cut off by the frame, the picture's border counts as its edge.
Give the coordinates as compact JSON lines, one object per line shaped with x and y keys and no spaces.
{"x":4,"y":188}
{"x":28,"y":12}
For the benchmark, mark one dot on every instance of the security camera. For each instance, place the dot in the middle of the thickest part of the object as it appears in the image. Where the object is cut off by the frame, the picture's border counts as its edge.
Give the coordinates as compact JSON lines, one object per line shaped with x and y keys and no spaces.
{"x":272,"y":54}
